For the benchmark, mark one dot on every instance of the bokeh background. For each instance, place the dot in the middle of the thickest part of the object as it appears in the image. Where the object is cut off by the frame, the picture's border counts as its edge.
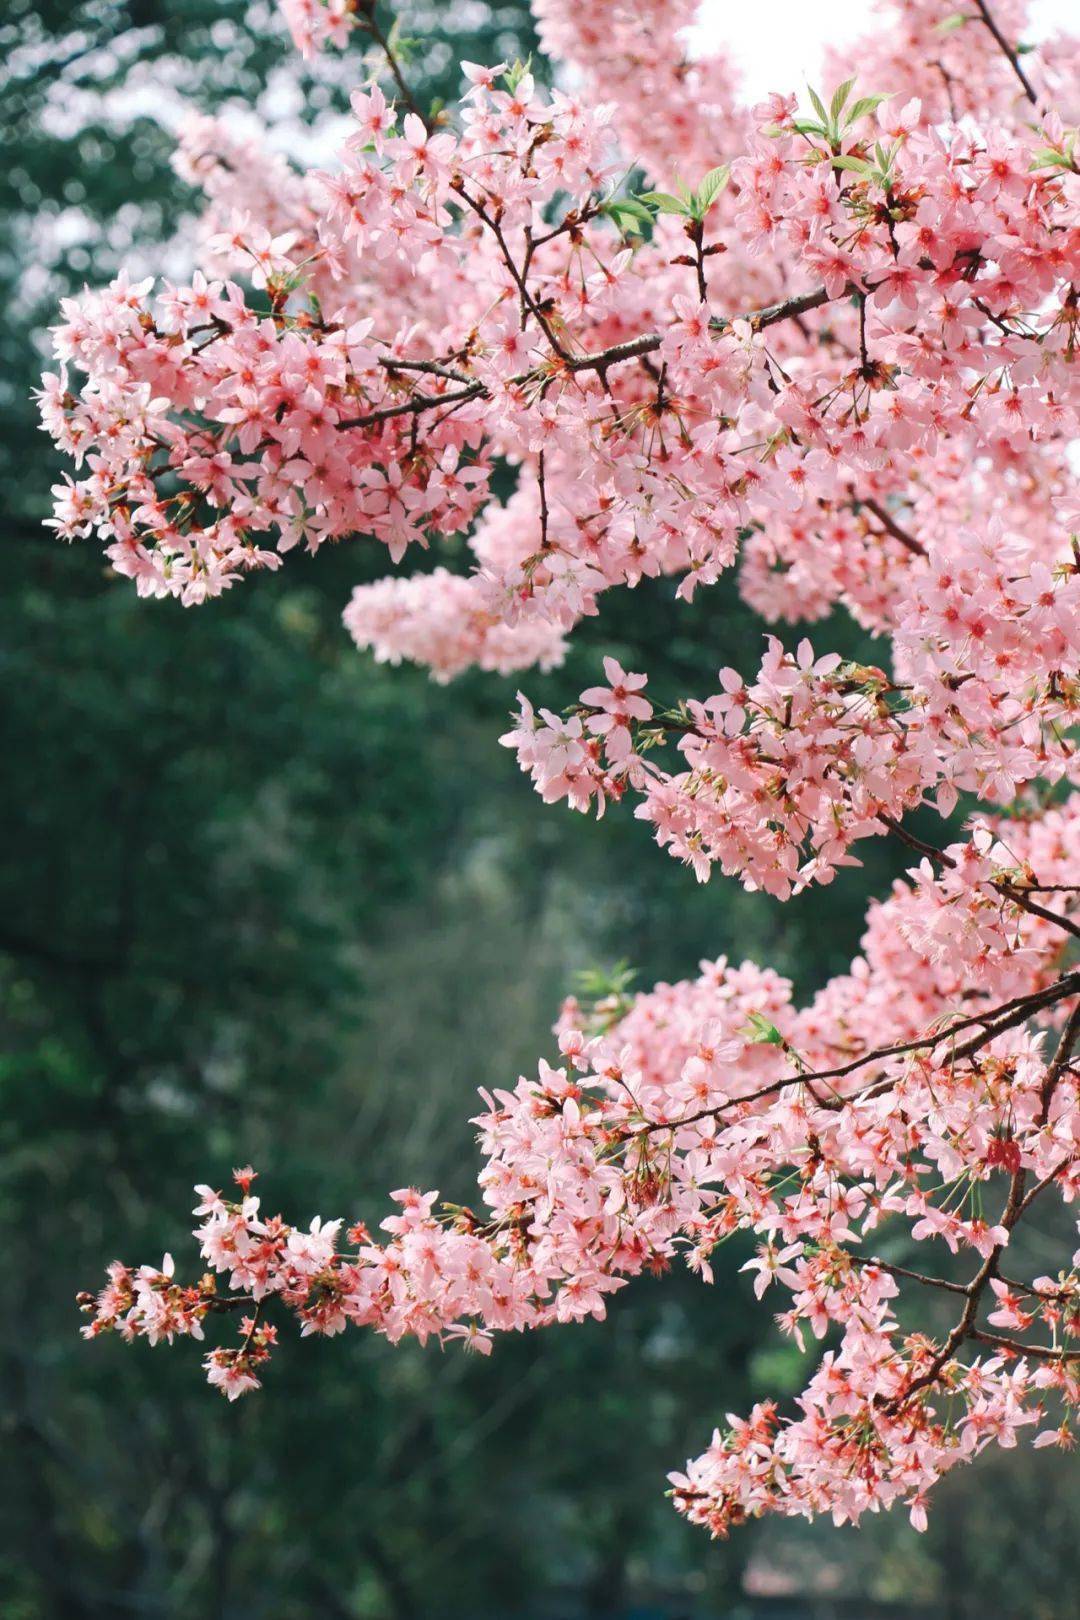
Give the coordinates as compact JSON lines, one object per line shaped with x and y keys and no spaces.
{"x":263,"y":899}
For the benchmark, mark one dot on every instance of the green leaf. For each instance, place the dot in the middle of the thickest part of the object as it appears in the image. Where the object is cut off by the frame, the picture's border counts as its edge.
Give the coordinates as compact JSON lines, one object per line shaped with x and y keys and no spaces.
{"x":950,"y":24}
{"x":711,"y":187}
{"x":761,"y":1031}
{"x":1047,"y":158}
{"x":857,"y":165}
{"x":402,"y":45}
{"x":806,"y":126}
{"x":839,"y":100}
{"x":818,"y":105}
{"x":515,"y":73}
{"x":864,"y":105}
{"x":597,"y":983}
{"x":665,"y":203}
{"x":628,"y":213}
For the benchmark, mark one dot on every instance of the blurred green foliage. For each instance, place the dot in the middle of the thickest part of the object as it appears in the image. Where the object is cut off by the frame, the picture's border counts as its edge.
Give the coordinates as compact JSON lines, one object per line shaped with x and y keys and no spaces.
{"x":262,"y":899}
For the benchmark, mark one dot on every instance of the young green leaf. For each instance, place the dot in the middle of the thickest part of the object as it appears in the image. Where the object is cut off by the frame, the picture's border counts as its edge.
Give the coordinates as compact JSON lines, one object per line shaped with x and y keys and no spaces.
{"x":1047,"y":158}
{"x":818,"y":105}
{"x":761,"y":1032}
{"x":665,"y":203}
{"x":516,"y":72}
{"x":628,"y":213}
{"x":864,"y":105}
{"x":711,"y":187}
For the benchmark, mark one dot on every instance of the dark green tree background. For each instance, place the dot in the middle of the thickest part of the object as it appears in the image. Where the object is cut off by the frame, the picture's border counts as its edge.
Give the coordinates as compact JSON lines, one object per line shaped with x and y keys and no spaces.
{"x":262,"y":899}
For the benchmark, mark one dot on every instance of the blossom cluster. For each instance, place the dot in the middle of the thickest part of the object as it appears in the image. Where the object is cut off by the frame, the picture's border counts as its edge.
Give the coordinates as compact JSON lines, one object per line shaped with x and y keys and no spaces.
{"x":788,"y":771}
{"x":315,"y":24}
{"x":712,"y":1106}
{"x":795,"y":764}
{"x":421,"y":312}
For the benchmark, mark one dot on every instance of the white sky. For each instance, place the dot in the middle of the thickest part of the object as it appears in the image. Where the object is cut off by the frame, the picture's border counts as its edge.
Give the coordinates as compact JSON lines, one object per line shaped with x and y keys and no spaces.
{"x":778,"y":43}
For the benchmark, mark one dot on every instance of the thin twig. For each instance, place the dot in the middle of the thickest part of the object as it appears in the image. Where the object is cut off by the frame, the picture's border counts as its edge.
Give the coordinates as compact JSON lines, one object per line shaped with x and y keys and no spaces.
{"x":431,"y":368}
{"x":1019,"y":897}
{"x":1015,"y":1205}
{"x":889,"y":523}
{"x":1014,"y":61}
{"x":995,"y":1022}
{"x":413,"y":407}
{"x":1045,"y":1352}
{"x":369,"y":21}
{"x":913,"y":1276}
{"x":542,"y":482}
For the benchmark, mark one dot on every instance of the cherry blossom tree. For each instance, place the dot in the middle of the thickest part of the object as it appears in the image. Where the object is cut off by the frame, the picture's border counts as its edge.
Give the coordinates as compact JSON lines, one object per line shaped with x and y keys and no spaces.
{"x":832,"y":346}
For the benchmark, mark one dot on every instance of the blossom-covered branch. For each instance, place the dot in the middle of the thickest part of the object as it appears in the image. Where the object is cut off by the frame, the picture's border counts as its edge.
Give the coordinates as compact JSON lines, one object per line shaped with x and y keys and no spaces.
{"x":832,"y":346}
{"x":712,"y":1106}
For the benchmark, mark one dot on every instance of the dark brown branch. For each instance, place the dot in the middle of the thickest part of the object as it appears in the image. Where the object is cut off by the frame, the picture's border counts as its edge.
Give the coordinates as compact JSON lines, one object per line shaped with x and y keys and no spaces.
{"x":648,"y":343}
{"x":1045,"y":1352}
{"x":787,"y":309}
{"x":542,"y":482}
{"x":1037,"y":1003}
{"x":600,"y":362}
{"x":431,"y":368}
{"x":1015,"y":1206}
{"x":1019,"y":896}
{"x":1013,"y":59}
{"x":995,"y":1022}
{"x":413,"y":407}
{"x":890,"y":525}
{"x":1021,"y":899}
{"x":370,"y":22}
{"x":758,"y":319}
{"x":696,"y":233}
{"x":913,"y":1276}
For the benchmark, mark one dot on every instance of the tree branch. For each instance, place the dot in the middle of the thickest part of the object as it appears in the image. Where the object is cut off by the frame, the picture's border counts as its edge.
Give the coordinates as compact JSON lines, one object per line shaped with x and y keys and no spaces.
{"x":599,"y":362}
{"x":1007,"y":1016}
{"x":413,"y":407}
{"x":1015,"y":1205}
{"x":1019,"y":897}
{"x":1014,"y":61}
{"x":369,"y":21}
{"x":889,"y":523}
{"x":1045,"y":1352}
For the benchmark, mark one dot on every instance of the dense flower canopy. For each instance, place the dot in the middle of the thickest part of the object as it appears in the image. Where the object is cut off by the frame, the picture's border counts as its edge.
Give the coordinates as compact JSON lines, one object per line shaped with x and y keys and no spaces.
{"x":834,"y":349}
